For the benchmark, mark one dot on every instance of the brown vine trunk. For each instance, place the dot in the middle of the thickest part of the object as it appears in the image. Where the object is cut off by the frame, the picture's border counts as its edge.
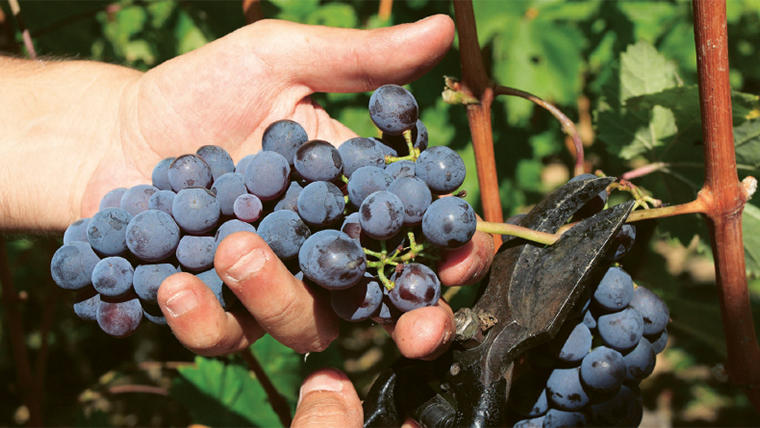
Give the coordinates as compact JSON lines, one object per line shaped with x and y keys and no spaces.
{"x":476,"y":83}
{"x":725,"y":196}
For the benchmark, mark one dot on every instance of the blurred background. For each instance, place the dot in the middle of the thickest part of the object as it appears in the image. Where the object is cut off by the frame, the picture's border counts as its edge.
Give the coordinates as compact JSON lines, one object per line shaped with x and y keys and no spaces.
{"x":566,"y":52}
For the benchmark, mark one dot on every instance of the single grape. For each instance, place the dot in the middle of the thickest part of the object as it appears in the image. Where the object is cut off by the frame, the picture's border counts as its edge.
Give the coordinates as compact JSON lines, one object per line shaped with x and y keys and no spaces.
{"x":189,"y":171}
{"x":135,"y":199}
{"x":352,"y":227}
{"x":147,"y":279}
{"x":248,"y":208}
{"x":229,"y":227}
{"x":284,"y":137}
{"x":565,"y":391}
{"x":416,"y":197}
{"x":112,"y":276}
{"x":76,"y":231}
{"x":621,"y":330}
{"x":217,"y":159}
{"x":332,"y":259}
{"x":615,"y":290}
{"x":640,"y":362}
{"x":267,"y":175}
{"x":623,"y":410}
{"x":152,"y":235}
{"x":227,"y":188}
{"x":572,"y":343}
{"x":358,"y":152}
{"x":359,"y":302}
{"x":284,"y":232}
{"x":320,"y":203}
{"x":153,"y":314}
{"x":72,"y":265}
{"x":603,"y":370}
{"x":659,"y":341}
{"x":120,"y":318}
{"x":393,"y":109}
{"x":589,"y":320}
{"x":381,"y":215}
{"x":196,"y":210}
{"x":653,"y":310}
{"x":112,"y":199}
{"x":196,"y":253}
{"x":243,"y":164}
{"x":402,"y":168}
{"x":162,"y":201}
{"x":441,"y":168}
{"x":530,"y":423}
{"x":449,"y":222}
{"x":366,"y":181}
{"x":160,"y":175}
{"x":318,"y":160}
{"x":107,"y":231}
{"x":416,"y":286}
{"x":86,"y":303}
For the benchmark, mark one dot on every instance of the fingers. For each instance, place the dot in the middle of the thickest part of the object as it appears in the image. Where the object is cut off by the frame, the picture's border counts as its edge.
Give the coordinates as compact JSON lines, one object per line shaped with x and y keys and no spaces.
{"x":424,"y":333}
{"x":328,"y":59}
{"x":328,"y":399}
{"x":198,"y":320}
{"x":468,"y":264}
{"x":282,"y":305}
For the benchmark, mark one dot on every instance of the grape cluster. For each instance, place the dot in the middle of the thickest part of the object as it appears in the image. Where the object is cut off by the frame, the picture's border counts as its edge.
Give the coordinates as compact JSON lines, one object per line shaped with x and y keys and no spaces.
{"x":362,"y":221}
{"x":588,"y":374}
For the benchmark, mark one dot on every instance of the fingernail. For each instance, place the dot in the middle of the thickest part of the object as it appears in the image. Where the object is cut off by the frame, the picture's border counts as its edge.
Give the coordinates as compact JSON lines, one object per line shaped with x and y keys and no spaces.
{"x":181,"y":303}
{"x":326,"y":380}
{"x":247,"y":265}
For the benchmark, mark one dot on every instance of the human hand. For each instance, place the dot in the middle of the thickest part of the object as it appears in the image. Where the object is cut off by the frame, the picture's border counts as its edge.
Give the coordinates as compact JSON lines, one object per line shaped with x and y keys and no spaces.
{"x":227,"y":93}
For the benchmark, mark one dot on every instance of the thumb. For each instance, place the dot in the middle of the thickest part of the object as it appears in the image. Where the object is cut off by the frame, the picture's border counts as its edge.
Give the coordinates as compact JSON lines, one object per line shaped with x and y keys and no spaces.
{"x":326,"y":59}
{"x":328,"y":399}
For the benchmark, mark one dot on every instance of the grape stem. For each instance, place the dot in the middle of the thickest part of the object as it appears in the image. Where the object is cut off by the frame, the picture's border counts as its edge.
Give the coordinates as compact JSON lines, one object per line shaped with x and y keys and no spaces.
{"x":518,"y":231}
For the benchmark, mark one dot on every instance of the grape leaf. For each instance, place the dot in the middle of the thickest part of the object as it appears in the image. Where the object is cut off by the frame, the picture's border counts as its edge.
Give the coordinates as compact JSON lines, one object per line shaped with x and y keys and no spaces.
{"x":223,"y":393}
{"x":283,"y":366}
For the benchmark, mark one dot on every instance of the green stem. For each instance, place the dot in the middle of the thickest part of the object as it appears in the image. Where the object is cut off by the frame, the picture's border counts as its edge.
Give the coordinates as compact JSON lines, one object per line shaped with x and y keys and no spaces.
{"x":518,"y":231}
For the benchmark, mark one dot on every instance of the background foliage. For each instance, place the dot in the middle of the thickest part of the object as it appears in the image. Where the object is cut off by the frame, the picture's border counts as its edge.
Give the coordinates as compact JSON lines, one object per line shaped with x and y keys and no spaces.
{"x":625,"y":72}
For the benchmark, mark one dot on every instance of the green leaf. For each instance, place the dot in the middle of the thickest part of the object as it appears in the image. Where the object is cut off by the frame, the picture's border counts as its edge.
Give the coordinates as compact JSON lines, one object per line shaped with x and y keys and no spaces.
{"x":747,"y":141}
{"x":189,"y":35}
{"x":643,"y":70}
{"x":751,"y":233}
{"x":221,"y":393}
{"x":295,"y":10}
{"x":334,"y":15}
{"x":283,"y":366}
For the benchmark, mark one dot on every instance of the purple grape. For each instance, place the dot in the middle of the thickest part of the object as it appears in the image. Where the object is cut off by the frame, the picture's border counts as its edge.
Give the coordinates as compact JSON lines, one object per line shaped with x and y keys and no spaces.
{"x":189,"y":171}
{"x":615,"y":290}
{"x":332,"y":259}
{"x":441,"y":168}
{"x":223,"y":294}
{"x":320,"y":203}
{"x":227,"y":188}
{"x":415,"y":287}
{"x":135,"y":199}
{"x":120,"y":318}
{"x":572,"y":343}
{"x":289,"y":201}
{"x":231,"y":226}
{"x":449,"y":223}
{"x":112,"y":277}
{"x":659,"y":341}
{"x":381,"y":215}
{"x":160,"y":174}
{"x":556,"y":418}
{"x":621,"y":330}
{"x":640,"y":362}
{"x":248,"y":208}
{"x":359,"y":302}
{"x":243,"y":164}
{"x":162,"y":201}
{"x":86,"y":302}
{"x":267,"y":175}
{"x":72,"y":265}
{"x":565,"y":391}
{"x":152,"y":235}
{"x":603,"y":370}
{"x":76,"y":231}
{"x":284,"y":232}
{"x":217,"y":159}
{"x":196,"y":210}
{"x":653,"y":310}
{"x":530,"y":423}
{"x":148,"y":278}
{"x":393,"y":109}
{"x":358,"y":152}
{"x":623,"y":410}
{"x":196,"y":253}
{"x":107,"y":231}
{"x":415,"y":196}
{"x":402,"y":168}
{"x":318,"y":160}
{"x":153,"y":314}
{"x":366,"y":181}
{"x":622,"y":243}
{"x":284,"y":137}
{"x":112,"y":199}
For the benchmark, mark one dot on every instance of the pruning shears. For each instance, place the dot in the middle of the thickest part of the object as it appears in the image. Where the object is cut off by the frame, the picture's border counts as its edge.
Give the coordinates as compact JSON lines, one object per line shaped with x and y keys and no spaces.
{"x":524,"y":300}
